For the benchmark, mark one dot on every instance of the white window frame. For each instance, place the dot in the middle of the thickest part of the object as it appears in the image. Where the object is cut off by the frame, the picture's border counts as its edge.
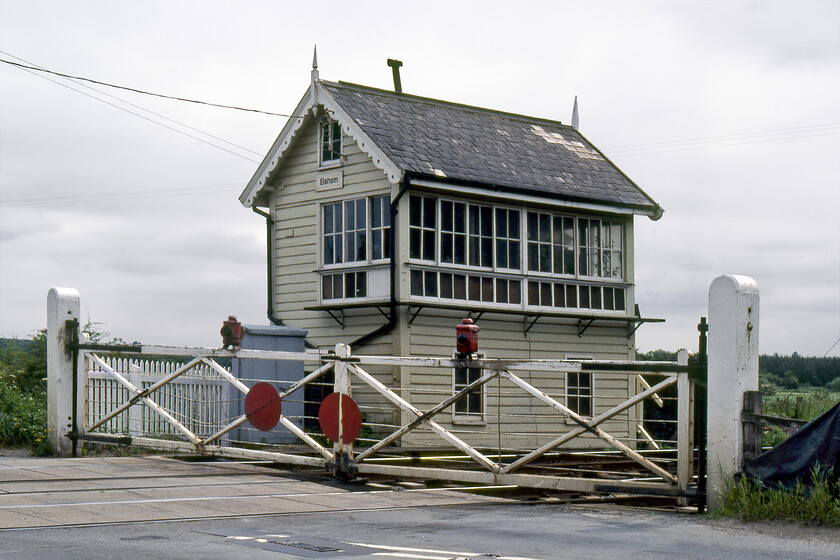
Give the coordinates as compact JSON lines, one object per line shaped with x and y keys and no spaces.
{"x":470,"y":418}
{"x":327,"y":127}
{"x":566,"y":395}
{"x":345,"y":267}
{"x":575,"y":288}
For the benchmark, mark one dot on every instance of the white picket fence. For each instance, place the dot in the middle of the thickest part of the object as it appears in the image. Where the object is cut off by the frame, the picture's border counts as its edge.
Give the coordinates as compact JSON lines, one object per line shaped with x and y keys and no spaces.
{"x":198,"y":399}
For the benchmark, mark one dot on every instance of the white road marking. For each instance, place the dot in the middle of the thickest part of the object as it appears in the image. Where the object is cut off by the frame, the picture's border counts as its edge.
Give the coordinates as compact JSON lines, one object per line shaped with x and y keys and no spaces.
{"x":412,"y":556}
{"x":408,"y":549}
{"x":404,"y":552}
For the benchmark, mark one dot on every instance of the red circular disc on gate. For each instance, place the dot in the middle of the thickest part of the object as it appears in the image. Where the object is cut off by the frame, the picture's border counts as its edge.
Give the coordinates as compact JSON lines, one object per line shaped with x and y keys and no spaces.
{"x":351,"y":417}
{"x":262,"y":406}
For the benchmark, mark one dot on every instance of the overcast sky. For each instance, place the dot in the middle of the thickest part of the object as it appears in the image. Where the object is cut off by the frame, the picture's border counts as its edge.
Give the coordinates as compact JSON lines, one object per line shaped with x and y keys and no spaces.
{"x":726,"y":113}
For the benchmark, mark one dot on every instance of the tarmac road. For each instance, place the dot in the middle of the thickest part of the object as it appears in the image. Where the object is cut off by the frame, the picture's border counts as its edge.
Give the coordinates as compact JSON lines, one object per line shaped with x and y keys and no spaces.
{"x":130,"y":508}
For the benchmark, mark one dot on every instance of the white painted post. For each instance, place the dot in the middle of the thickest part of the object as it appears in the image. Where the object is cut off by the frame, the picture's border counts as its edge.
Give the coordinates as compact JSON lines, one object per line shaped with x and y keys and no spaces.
{"x":135,"y":413}
{"x":342,"y":451}
{"x":63,"y":304}
{"x":733,"y":369}
{"x":341,"y":385}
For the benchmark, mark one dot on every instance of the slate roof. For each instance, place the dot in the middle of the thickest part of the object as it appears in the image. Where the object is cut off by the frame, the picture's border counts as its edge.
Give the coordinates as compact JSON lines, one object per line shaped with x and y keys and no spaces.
{"x":437,"y":139}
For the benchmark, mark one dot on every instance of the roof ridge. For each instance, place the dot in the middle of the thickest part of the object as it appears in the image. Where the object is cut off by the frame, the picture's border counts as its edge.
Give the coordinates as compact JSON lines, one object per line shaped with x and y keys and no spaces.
{"x":463,"y":106}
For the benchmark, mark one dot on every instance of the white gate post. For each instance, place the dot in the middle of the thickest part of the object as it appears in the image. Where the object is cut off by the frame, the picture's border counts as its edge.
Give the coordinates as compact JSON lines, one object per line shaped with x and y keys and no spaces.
{"x":342,"y":451}
{"x":733,"y":369}
{"x":63,"y":304}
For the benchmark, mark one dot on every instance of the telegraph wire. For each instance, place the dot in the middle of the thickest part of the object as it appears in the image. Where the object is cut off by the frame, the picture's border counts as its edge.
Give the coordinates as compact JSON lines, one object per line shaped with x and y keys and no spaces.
{"x":147,"y":111}
{"x":151,"y":112}
{"x":708,"y":142}
{"x":144,"y":92}
{"x":177,"y":191}
{"x":145,"y":118}
{"x":723,"y":141}
{"x":758,"y":133}
{"x":832,"y":348}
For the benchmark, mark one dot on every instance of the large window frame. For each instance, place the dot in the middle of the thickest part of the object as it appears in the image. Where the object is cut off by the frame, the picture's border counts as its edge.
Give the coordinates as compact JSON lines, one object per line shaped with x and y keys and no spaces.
{"x":355,"y":237}
{"x":504,"y":256}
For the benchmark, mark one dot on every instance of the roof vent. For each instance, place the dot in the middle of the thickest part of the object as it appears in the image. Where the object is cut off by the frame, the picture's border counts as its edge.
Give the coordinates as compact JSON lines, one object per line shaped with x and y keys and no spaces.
{"x":395,"y":68}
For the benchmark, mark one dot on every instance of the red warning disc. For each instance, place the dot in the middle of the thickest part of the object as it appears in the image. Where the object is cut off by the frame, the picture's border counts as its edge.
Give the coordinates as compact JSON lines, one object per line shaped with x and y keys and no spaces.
{"x":262,"y":406}
{"x":351,"y":416}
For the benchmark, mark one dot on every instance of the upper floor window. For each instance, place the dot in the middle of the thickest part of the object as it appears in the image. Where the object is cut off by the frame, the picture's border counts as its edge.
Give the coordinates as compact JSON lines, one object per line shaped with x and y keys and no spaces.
{"x":354,"y":233}
{"x":474,"y":252}
{"x":470,"y":234}
{"x":345,"y":232}
{"x":554,"y":240}
{"x":507,"y":239}
{"x":600,"y":251}
{"x":551,"y":243}
{"x":422,"y":227}
{"x":380,"y":228}
{"x":330,"y":141}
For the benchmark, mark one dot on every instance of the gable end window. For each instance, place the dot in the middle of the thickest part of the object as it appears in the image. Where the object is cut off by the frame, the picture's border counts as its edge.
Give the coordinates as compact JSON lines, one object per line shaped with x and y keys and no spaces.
{"x":330,"y":141}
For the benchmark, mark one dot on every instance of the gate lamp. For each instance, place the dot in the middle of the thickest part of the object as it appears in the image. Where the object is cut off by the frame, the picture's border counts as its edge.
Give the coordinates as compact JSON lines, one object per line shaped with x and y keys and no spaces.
{"x":231,"y":332}
{"x":466,"y":339}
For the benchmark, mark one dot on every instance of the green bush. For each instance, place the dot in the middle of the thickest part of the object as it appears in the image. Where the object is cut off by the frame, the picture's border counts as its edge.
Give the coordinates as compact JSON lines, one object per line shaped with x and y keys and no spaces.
{"x":23,"y":416}
{"x":748,"y":500}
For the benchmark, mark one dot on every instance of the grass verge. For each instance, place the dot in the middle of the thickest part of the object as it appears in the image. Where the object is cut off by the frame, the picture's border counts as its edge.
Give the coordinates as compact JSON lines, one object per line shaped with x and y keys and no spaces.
{"x":819,"y":504}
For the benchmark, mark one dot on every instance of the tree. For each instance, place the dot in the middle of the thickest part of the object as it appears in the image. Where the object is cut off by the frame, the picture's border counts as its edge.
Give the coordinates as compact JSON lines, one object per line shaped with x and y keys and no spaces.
{"x":24,"y":363}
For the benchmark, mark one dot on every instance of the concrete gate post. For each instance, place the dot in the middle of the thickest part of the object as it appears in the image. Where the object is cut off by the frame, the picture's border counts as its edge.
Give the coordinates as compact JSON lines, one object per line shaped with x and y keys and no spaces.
{"x":733,"y":370}
{"x":62,"y":305}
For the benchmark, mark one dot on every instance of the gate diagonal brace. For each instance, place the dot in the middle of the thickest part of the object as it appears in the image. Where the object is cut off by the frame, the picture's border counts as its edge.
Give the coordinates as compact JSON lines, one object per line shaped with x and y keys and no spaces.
{"x":426,"y":416}
{"x":614,"y":442}
{"x":437,"y":428}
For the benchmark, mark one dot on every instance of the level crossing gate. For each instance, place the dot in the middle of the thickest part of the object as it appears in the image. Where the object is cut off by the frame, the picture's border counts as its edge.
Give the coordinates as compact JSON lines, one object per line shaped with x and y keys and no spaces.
{"x":176,"y":398}
{"x":119,"y":394}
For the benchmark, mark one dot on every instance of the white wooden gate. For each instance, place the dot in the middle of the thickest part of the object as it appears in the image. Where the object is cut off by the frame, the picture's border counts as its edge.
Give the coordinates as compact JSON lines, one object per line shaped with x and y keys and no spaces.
{"x":181,"y":406}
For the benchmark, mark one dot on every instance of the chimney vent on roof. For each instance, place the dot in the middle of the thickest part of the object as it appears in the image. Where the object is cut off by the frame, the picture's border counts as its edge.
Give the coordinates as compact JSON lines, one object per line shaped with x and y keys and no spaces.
{"x":395,"y":68}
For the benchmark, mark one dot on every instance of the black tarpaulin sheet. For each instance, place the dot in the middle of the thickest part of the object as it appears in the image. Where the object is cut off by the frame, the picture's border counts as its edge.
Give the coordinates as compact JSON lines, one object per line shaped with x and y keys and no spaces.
{"x":793,"y":460}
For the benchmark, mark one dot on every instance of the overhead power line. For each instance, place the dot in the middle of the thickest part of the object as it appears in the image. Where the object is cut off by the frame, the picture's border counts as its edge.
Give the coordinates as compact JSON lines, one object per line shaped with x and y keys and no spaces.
{"x":726,"y":140}
{"x":144,"y":92}
{"x":131,"y":195}
{"x":832,"y":347}
{"x":25,"y":68}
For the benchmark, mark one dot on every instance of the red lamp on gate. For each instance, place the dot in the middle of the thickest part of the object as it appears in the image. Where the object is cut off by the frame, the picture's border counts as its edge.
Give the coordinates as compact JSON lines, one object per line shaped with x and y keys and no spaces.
{"x":466,"y":339}
{"x":231,"y":332}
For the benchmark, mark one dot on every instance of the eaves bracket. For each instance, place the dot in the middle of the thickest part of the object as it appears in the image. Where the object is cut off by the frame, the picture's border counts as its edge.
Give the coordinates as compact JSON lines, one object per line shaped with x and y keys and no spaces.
{"x":338,"y":315}
{"x":584,"y":324}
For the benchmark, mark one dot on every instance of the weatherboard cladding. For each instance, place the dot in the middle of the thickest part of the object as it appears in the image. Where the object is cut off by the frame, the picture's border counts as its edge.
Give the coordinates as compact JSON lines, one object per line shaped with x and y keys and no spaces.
{"x":441,"y":140}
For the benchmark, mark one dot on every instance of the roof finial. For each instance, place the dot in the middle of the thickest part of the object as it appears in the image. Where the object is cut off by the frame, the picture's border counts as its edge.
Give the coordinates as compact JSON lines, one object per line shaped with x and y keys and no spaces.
{"x":313,"y":88}
{"x":575,"y":117}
